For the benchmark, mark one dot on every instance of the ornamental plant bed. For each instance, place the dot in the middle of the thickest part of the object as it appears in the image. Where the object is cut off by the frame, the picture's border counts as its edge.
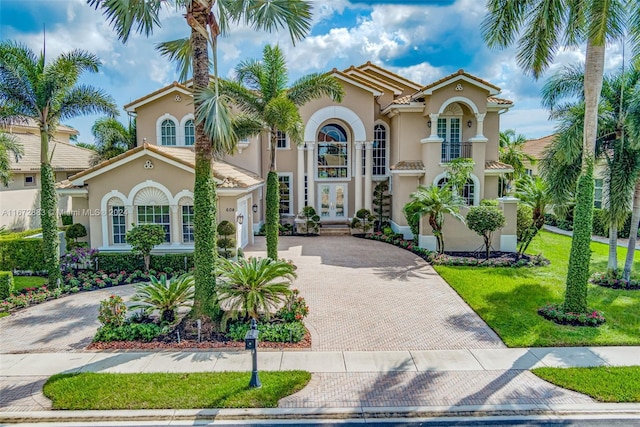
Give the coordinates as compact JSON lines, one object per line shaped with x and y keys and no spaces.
{"x":606,"y":280}
{"x":556,"y":313}
{"x":185,"y":336}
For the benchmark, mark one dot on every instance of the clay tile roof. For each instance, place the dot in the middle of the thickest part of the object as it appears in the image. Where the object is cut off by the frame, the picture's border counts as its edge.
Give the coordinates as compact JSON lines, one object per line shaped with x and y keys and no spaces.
{"x":397,"y":76}
{"x":408,"y":165}
{"x":230,"y":175}
{"x":497,"y":166}
{"x":159,"y":91}
{"x":358,"y":79}
{"x":403,"y":100}
{"x":535,"y":147}
{"x":66,"y":185}
{"x":500,"y":101}
{"x":64,"y":156}
{"x":460,"y":72}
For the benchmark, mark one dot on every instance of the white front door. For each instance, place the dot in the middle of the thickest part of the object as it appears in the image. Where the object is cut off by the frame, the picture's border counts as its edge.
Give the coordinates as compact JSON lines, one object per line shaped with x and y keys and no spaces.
{"x":332,"y":201}
{"x":242,"y":230}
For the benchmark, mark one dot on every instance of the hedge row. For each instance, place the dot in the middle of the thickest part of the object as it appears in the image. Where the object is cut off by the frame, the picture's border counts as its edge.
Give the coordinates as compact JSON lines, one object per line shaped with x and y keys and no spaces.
{"x":111,"y":262}
{"x":600,"y":224}
{"x":6,"y":284}
{"x":22,"y":254}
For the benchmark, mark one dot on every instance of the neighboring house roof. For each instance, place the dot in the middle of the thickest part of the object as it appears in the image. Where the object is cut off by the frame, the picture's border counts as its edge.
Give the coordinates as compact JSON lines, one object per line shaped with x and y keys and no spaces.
{"x":460,"y":75}
{"x":175,"y":86}
{"x":229,"y":176}
{"x":492,"y":167}
{"x":64,"y":156}
{"x":535,"y":147}
{"x":30,"y":123}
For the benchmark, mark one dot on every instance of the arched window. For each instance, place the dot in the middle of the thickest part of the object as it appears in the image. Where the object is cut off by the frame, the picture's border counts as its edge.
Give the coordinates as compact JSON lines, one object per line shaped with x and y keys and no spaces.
{"x":168,"y":132}
{"x":118,"y":221}
{"x":468,"y":192}
{"x":379,"y":152}
{"x":332,"y":152}
{"x":189,"y":133}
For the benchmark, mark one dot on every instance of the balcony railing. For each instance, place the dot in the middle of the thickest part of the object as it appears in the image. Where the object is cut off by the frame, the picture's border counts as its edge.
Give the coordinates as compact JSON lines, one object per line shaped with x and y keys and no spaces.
{"x":455,"y":150}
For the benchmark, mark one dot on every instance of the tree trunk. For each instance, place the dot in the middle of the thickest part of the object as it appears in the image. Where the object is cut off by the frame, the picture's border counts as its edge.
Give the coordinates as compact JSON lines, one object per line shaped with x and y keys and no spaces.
{"x":272,"y":208}
{"x":612,"y":265}
{"x":48,"y":207}
{"x":575,"y":299}
{"x":633,"y":233}
{"x":204,"y":191}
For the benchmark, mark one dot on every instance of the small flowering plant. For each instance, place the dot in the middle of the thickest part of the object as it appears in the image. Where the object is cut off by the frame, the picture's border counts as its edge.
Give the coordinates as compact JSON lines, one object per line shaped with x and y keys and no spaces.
{"x":556,"y":313}
{"x":294,"y":309}
{"x":113,"y":311}
{"x":614,"y":281}
{"x":78,"y":259}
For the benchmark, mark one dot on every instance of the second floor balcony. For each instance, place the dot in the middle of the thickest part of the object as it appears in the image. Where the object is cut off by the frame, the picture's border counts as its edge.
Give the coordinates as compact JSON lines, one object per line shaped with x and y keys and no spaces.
{"x":455,"y":150}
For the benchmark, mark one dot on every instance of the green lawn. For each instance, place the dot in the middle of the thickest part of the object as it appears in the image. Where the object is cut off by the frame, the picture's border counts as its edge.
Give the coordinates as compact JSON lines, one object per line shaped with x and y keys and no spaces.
{"x":607,"y":384}
{"x":88,"y":391}
{"x":508,"y":298}
{"x":21,"y":282}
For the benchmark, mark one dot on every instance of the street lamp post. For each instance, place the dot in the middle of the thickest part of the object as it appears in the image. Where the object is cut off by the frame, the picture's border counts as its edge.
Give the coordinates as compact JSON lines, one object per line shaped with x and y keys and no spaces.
{"x":251,"y":343}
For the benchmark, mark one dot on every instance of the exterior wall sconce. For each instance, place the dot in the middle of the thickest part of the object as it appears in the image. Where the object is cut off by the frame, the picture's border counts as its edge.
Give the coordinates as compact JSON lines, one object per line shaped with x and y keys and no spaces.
{"x":254,"y":208}
{"x":429,"y":123}
{"x":240,"y":219}
{"x":469,"y":123}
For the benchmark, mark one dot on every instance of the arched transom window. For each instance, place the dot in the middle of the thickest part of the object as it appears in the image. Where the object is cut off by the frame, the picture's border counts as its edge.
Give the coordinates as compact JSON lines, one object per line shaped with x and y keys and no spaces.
{"x":333,"y":152}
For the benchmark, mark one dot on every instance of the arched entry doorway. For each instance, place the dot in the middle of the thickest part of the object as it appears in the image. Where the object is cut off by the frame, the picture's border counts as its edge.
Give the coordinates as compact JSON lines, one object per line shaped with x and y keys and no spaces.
{"x":333,"y":162}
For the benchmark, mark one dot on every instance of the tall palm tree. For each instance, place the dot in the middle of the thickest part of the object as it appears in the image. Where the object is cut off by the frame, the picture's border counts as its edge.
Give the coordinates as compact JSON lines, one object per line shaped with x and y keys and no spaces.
{"x":261,"y":90}
{"x":8,"y":147}
{"x":48,"y":93}
{"x":533,"y":192}
{"x":213,"y":128}
{"x":511,"y":152}
{"x":615,"y":147}
{"x":112,"y":138}
{"x":540,"y":29}
{"x":436,"y":202}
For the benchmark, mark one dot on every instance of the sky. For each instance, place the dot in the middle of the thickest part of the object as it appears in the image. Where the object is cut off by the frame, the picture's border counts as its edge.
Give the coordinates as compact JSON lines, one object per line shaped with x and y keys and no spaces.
{"x":421,"y":40}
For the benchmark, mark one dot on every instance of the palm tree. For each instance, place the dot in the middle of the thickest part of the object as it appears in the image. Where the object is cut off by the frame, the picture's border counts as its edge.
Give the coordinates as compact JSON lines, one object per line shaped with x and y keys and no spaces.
{"x":261,"y":91}
{"x":540,"y":29}
{"x":163,"y":295}
{"x":533,"y":192}
{"x":112,"y":138}
{"x":8,"y":146}
{"x":48,"y":93}
{"x":254,"y":287}
{"x":436,"y":202}
{"x":511,"y":153}
{"x":213,"y":127}
{"x":620,"y":153}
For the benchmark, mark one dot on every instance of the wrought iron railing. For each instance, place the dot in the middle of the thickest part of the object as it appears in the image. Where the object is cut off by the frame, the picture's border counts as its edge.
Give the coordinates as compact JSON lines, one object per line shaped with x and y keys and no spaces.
{"x":455,"y":150}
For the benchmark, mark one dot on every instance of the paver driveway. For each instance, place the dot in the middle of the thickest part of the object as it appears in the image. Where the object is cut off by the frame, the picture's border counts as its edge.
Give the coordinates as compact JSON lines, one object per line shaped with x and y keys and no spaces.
{"x":368,"y":295}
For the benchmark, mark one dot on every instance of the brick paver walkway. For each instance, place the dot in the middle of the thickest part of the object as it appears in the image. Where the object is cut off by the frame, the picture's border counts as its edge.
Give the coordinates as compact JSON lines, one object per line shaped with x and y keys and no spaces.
{"x":368,"y":295}
{"x":65,"y":324}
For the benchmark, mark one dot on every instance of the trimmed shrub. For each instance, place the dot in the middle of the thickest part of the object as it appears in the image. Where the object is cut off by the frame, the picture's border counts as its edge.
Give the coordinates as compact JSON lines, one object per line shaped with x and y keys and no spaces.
{"x":128,"y":332}
{"x":73,"y":233}
{"x":6,"y":284}
{"x":489,"y":202}
{"x":226,"y":244}
{"x":484,"y":220}
{"x":112,"y":311}
{"x":22,"y":254}
{"x":143,"y":238}
{"x":67,"y":219}
{"x":273,"y":332}
{"x":115,"y":262}
{"x":362,"y":221}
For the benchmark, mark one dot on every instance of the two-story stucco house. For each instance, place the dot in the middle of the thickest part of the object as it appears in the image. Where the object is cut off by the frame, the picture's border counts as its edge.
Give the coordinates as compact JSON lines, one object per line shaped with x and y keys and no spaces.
{"x":386,"y":128}
{"x":20,"y":200}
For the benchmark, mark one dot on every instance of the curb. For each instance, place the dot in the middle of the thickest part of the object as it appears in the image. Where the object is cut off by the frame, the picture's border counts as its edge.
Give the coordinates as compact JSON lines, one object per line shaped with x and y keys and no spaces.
{"x":617,"y":410}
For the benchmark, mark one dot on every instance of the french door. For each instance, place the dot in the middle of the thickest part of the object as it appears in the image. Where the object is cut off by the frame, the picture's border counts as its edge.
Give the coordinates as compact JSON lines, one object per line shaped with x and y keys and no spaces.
{"x":332,"y":200}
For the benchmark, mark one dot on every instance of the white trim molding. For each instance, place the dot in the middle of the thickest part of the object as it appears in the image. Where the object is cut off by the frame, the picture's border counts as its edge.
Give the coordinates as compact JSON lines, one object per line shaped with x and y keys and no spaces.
{"x":508,"y":243}
{"x":161,"y":119}
{"x":428,"y":242}
{"x":334,"y":112}
{"x":404,"y":229}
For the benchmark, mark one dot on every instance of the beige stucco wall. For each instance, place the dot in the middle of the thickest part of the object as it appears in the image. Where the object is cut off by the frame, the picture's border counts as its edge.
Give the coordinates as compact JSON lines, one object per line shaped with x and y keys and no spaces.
{"x":164,"y":107}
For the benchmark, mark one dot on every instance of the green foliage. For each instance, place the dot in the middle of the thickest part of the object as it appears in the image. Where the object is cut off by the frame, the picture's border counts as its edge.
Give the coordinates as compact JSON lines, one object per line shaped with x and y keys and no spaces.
{"x":143,"y":238}
{"x":6,"y":284}
{"x":253,"y":287}
{"x":294,"y":309}
{"x":410,"y":211}
{"x":67,"y":219}
{"x":128,"y":332}
{"x":485,"y":220}
{"x":310,"y":221}
{"x":381,"y":205}
{"x":489,"y":202}
{"x":73,"y":233}
{"x":272,"y":332}
{"x":112,"y":312}
{"x":600,"y":225}
{"x":227,"y":244}
{"x":458,"y":172}
{"x":363,"y":220}
{"x":272,"y":220}
{"x":165,"y":296}
{"x":49,"y":207}
{"x":575,"y":300}
{"x":22,"y":254}
{"x":114,"y":262}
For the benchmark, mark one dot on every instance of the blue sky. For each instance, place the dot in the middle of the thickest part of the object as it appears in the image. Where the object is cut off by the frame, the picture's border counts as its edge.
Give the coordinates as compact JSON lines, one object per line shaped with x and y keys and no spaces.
{"x":421,"y":40}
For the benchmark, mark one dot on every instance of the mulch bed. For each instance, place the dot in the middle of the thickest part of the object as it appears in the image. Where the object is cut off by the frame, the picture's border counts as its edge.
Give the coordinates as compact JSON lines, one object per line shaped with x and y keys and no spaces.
{"x":187,"y":330}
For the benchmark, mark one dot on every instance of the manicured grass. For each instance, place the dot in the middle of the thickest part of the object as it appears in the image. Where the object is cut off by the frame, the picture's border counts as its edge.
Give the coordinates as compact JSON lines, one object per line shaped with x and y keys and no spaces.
{"x":87,"y":391}
{"x":21,"y":282}
{"x":508,"y":298}
{"x":607,"y":384}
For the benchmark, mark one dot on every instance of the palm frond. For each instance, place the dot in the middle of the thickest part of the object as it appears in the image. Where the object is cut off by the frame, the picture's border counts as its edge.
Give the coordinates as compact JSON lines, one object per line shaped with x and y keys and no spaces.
{"x":180,"y":52}
{"x":501,"y":25}
{"x":314,"y":86}
{"x":142,"y":16}
{"x":84,"y":100}
{"x":566,"y":83}
{"x":217,"y":117}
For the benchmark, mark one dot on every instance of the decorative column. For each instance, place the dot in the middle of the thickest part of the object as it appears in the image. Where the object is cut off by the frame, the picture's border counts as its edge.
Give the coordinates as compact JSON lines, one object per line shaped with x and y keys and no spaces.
{"x":129,"y":216}
{"x":368,"y":181}
{"x":300,"y":178}
{"x":358,"y":199}
{"x":479,"y":128}
{"x":311,"y":183}
{"x":175,"y":225}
